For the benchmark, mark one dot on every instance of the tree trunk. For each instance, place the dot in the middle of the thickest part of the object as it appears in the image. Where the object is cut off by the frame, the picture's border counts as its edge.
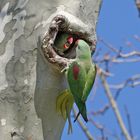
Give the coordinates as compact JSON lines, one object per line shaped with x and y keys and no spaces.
{"x":24,"y":71}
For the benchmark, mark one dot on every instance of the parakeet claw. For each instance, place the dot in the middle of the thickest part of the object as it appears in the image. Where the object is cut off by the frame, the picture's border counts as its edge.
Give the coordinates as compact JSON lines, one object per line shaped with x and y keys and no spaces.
{"x":68,"y":64}
{"x":64,"y":69}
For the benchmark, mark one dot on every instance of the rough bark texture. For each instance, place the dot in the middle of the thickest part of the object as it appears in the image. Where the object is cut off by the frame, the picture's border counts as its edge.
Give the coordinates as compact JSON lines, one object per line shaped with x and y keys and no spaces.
{"x":22,"y":66}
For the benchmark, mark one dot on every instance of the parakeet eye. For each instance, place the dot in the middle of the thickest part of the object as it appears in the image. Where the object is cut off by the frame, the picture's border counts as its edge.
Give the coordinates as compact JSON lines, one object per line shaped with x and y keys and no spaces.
{"x":66,"y":46}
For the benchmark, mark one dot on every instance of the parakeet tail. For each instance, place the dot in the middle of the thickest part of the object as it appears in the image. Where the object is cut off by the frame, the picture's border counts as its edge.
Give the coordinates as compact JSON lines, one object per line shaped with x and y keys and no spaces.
{"x":83,"y":113}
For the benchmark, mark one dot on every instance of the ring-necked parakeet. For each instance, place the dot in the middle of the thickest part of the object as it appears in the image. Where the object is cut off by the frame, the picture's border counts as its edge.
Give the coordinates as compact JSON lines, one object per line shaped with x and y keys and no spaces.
{"x":81,"y":75}
{"x":63,"y":42}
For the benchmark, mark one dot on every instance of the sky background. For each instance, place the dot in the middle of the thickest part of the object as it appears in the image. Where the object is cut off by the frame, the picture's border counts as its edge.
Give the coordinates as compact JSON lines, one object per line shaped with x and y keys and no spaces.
{"x":118,"y":24}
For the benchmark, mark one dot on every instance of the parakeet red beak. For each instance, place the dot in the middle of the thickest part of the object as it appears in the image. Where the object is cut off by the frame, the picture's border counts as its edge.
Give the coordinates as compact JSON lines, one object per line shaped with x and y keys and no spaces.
{"x":70,"y":40}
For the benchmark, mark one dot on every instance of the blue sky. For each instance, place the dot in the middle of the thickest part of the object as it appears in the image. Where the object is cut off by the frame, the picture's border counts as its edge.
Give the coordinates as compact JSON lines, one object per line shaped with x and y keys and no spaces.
{"x":118,"y":23}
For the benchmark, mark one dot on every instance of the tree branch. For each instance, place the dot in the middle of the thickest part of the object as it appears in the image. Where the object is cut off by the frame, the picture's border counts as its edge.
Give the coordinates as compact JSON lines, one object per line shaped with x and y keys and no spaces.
{"x":114,"y":107}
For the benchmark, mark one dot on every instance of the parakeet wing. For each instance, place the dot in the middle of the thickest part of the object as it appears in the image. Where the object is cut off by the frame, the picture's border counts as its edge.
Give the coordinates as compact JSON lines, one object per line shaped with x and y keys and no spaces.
{"x":90,"y":78}
{"x":76,"y":78}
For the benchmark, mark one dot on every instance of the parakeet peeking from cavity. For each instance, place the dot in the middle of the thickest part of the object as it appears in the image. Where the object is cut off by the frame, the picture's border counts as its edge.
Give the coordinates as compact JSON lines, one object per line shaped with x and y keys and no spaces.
{"x":63,"y":42}
{"x":80,"y":74}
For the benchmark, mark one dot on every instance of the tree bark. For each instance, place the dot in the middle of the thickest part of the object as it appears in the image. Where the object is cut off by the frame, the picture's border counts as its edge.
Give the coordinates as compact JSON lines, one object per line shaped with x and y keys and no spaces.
{"x":24,"y":71}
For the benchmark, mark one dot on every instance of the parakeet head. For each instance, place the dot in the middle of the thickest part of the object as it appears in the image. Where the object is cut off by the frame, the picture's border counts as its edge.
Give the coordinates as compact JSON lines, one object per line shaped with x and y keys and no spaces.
{"x":69,"y":41}
{"x":82,"y":49}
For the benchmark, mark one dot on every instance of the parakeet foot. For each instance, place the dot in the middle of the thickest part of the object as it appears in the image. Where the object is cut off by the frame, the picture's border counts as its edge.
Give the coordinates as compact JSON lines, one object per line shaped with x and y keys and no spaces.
{"x":68,"y":64}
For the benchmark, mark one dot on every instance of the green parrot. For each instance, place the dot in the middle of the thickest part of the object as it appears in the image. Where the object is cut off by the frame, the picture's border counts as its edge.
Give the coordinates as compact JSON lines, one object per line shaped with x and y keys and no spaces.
{"x":81,"y":74}
{"x":63,"y":42}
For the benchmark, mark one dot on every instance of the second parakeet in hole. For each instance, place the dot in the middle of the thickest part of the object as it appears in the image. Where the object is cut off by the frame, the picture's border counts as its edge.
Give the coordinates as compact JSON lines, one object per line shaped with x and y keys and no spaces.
{"x":80,"y":75}
{"x":63,"y":42}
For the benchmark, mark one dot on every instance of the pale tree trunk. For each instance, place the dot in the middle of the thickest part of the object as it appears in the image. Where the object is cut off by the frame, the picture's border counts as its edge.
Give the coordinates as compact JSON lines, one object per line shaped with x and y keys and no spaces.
{"x":24,"y":71}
